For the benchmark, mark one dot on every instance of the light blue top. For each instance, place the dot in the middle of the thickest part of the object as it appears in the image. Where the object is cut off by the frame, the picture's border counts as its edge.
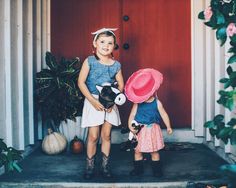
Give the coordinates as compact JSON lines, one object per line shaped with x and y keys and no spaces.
{"x":148,"y":113}
{"x":100,"y":73}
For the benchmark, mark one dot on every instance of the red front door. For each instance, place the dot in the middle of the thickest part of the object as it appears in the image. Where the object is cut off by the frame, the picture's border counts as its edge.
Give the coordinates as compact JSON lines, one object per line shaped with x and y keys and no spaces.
{"x":152,"y":33}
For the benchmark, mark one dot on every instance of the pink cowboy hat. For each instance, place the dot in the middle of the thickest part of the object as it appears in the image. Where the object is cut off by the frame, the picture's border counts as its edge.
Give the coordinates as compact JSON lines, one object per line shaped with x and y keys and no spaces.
{"x":142,"y":84}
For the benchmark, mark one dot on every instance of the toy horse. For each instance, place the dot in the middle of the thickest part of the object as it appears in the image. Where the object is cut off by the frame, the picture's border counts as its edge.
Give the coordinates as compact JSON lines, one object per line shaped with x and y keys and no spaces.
{"x":132,"y":142}
{"x":109,"y":95}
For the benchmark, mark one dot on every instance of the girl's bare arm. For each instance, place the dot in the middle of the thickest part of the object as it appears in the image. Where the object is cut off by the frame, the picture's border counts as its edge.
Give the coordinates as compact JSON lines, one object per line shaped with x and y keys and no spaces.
{"x":164,"y":117}
{"x":131,"y":117}
{"x":84,"y":89}
{"x":120,"y":80}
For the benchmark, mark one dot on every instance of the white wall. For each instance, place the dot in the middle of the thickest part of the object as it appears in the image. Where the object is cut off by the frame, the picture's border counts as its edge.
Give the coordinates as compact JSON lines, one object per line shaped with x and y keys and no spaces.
{"x":24,"y":40}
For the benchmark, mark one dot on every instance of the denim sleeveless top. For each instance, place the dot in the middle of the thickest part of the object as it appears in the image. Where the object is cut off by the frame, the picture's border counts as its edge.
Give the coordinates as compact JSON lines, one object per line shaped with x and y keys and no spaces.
{"x":100,"y":73}
{"x":147,"y":113}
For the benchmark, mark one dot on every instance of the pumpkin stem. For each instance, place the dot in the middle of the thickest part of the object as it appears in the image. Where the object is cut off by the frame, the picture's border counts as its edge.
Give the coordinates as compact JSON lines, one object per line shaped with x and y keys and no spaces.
{"x":76,"y":137}
{"x":50,"y":131}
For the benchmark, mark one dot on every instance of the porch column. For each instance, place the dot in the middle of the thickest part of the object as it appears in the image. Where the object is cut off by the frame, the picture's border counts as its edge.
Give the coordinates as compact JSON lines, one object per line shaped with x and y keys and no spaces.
{"x":198,"y":69}
{"x":6,"y":100}
{"x":17,"y":82}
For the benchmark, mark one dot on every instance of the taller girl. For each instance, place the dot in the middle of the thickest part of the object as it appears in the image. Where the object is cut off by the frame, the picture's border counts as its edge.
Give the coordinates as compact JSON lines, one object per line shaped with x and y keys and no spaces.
{"x":98,"y":69}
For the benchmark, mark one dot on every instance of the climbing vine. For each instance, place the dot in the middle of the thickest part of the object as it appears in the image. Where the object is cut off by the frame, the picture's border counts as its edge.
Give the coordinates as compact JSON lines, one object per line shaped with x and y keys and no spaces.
{"x":220,"y":15}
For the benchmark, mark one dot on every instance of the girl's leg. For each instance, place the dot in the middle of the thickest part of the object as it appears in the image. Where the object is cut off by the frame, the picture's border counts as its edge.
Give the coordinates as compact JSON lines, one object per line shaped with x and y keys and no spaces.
{"x":156,"y":164}
{"x":106,"y":138}
{"x":138,"y":164}
{"x":138,"y":156}
{"x":93,"y":135}
{"x":155,"y":156}
{"x":105,"y":149}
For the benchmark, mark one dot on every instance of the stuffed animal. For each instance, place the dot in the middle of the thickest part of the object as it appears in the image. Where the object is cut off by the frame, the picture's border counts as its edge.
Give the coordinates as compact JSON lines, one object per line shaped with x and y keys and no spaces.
{"x":132,"y":142}
{"x":109,"y":95}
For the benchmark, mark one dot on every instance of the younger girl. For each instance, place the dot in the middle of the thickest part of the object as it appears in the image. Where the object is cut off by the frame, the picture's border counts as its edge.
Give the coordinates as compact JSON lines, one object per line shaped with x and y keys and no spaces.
{"x":147,"y":110}
{"x":96,"y":70}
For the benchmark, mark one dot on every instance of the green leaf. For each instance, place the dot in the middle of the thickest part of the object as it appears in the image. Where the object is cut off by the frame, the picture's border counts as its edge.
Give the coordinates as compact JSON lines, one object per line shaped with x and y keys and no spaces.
{"x":225,"y":132}
{"x":233,"y":38}
{"x":16,"y":166}
{"x":232,"y":122}
{"x":229,"y":167}
{"x":233,"y":137}
{"x":222,"y":41}
{"x":209,"y":124}
{"x":201,"y":15}
{"x":224,"y":80}
{"x":229,"y":70}
{"x":213,"y":132}
{"x":232,"y":59}
{"x":227,"y":84}
{"x":220,"y":18}
{"x":221,"y":33}
{"x":218,"y":118}
{"x":3,"y":146}
{"x":230,"y":104}
{"x":232,"y":49}
{"x":51,"y":61}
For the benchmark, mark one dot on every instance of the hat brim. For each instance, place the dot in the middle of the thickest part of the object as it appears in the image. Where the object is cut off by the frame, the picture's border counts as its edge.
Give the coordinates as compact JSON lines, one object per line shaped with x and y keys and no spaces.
{"x":130,"y":94}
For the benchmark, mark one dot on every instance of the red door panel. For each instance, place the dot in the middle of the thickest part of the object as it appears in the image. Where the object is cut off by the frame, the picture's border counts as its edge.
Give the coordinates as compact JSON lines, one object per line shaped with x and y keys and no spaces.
{"x":158,"y":34}
{"x":73,"y":21}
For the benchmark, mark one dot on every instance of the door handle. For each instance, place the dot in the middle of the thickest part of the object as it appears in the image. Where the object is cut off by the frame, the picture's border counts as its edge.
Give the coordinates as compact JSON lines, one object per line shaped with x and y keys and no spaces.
{"x":126,"y":46}
{"x":125,"y":18}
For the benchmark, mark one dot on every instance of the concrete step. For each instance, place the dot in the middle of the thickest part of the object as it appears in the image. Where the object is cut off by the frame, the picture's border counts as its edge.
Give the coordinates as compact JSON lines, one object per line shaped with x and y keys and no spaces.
{"x":94,"y":185}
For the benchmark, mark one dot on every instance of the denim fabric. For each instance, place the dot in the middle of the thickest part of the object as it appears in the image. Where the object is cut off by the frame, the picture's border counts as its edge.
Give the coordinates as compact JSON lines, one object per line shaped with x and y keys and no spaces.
{"x":100,"y":73}
{"x":147,"y":113}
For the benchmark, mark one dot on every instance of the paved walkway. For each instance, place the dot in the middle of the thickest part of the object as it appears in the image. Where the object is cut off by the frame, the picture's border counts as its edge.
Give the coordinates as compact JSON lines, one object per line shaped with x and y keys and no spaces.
{"x":181,"y":162}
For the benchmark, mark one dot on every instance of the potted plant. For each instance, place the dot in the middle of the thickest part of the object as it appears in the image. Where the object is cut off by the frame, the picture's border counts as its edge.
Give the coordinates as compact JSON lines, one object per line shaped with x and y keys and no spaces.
{"x":57,"y":95}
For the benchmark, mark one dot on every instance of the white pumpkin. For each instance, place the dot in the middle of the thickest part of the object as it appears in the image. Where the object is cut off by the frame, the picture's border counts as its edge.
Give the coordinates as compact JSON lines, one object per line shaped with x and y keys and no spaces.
{"x":54,"y":143}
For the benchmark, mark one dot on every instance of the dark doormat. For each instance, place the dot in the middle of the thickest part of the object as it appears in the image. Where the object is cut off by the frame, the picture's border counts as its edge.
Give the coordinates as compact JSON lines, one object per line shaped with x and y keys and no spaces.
{"x":178,"y":146}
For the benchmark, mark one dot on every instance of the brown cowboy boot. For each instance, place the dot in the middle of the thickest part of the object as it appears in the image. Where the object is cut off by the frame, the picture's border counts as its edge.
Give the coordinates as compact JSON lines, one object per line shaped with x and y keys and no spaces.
{"x":89,"y":171}
{"x":105,"y":168}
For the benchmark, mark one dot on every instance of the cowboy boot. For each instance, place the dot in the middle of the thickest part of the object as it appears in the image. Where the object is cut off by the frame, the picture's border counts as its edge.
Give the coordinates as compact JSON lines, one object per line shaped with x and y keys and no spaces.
{"x":105,"y":168}
{"x":157,"y":168}
{"x":138,"y":168}
{"x":89,"y":171}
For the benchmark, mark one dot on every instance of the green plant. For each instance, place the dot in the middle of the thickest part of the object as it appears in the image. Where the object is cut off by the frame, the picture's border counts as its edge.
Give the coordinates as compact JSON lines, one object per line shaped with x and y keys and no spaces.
{"x":57,"y":95}
{"x":9,"y":157}
{"x":221,"y":16}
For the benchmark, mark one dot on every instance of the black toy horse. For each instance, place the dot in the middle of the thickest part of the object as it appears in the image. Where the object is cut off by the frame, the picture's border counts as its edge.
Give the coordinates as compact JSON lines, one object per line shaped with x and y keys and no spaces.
{"x":109,"y":95}
{"x":132,"y":142}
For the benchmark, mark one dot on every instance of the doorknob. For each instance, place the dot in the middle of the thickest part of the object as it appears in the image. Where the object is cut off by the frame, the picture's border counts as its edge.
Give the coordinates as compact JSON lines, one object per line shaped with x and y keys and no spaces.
{"x":125,"y":18}
{"x":126,"y":46}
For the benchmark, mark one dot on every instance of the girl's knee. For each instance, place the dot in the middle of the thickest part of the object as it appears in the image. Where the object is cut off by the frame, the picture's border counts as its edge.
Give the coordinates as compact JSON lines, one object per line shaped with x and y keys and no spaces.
{"x":106,"y":137}
{"x":93,"y":138}
{"x":155,"y":156}
{"x":138,"y":155}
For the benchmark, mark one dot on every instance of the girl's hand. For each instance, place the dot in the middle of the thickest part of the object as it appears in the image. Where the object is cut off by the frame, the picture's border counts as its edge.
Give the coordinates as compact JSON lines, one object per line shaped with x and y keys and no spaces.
{"x":97,"y":105}
{"x":132,"y":129}
{"x":169,"y":130}
{"x":108,"y":110}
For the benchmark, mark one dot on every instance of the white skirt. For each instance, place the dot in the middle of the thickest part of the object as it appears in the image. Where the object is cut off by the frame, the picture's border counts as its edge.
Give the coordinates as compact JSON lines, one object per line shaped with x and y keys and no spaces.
{"x":92,"y":117}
